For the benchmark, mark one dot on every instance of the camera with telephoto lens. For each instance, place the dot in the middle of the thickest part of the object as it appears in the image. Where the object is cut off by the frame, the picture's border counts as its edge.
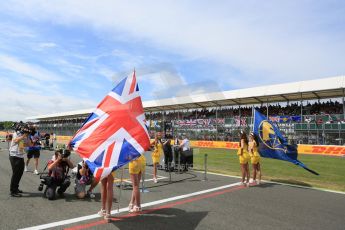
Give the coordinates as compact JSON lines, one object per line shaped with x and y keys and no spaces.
{"x":45,"y":180}
{"x":40,"y":187}
{"x":21,"y":128}
{"x":65,"y":153}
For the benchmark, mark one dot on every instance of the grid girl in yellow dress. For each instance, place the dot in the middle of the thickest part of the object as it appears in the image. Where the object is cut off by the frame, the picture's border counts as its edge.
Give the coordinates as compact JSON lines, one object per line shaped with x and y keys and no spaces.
{"x":244,"y":157}
{"x":255,"y":157}
{"x":156,"y":154}
{"x":136,"y":170}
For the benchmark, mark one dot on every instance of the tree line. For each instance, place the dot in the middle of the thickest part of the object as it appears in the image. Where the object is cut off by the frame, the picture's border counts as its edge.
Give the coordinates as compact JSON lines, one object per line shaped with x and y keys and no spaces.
{"x":6,"y":125}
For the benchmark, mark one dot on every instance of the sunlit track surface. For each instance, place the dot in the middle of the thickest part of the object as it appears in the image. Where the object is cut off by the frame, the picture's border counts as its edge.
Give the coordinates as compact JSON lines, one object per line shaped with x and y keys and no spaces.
{"x":186,"y":203}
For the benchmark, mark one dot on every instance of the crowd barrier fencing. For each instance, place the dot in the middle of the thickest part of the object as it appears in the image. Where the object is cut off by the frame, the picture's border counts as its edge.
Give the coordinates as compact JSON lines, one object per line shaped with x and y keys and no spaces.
{"x":328,"y":150}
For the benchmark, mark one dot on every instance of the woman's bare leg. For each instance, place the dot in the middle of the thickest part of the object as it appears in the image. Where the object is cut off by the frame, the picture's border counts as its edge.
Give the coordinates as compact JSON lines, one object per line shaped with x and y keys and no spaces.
{"x":247,"y":172}
{"x":243,"y":171}
{"x":132,"y":202}
{"x":104,"y":192}
{"x":259,"y":171}
{"x":155,"y":170}
{"x":110,"y":193}
{"x":254,"y":167}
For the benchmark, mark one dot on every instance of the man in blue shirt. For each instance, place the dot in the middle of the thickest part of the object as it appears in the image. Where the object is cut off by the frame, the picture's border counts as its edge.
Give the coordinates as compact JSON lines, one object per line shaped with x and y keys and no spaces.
{"x":34,"y":150}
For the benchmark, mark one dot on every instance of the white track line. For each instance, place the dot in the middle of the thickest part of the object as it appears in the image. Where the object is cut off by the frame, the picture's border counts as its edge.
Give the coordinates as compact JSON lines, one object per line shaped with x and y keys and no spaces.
{"x":94,"y":216}
{"x":158,"y":178}
{"x":273,"y":182}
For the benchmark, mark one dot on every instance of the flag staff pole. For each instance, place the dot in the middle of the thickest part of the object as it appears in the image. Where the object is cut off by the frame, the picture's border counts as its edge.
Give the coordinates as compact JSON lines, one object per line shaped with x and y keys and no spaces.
{"x":253,"y":117}
{"x":121,"y":187}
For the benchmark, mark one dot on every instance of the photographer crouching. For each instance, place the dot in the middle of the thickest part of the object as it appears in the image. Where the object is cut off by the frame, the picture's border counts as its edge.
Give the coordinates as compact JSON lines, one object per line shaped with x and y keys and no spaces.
{"x":84,"y":177}
{"x":58,"y":168}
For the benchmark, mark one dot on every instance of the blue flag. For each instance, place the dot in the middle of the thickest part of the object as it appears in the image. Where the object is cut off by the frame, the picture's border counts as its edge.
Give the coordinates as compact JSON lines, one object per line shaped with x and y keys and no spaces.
{"x":272,"y":144}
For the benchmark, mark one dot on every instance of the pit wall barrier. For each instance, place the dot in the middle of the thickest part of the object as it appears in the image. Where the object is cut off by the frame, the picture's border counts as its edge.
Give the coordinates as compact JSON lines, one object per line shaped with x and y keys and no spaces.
{"x":328,"y":150}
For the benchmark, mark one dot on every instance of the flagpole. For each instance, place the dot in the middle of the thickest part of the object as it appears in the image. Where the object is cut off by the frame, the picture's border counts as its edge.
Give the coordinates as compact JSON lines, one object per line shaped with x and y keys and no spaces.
{"x":118,"y":202}
{"x":253,"y":115}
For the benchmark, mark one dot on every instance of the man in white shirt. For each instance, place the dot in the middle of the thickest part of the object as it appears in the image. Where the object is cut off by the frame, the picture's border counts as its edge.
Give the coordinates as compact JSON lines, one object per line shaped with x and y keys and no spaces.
{"x":185,"y":147}
{"x":18,"y":143}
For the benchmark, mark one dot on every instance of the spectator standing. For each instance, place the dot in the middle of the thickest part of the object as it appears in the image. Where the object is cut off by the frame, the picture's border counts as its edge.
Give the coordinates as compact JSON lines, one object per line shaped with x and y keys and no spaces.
{"x":167,"y":149}
{"x":53,"y":140}
{"x":33,"y":151}
{"x":185,"y":147}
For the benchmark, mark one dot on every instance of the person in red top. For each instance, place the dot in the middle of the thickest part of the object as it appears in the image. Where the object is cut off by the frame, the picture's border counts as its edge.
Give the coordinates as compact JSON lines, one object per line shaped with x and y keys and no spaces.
{"x":58,"y":169}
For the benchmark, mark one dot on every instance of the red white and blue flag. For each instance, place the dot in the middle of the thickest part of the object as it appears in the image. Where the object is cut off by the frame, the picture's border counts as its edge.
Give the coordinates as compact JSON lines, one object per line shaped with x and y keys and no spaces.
{"x":115,"y":133}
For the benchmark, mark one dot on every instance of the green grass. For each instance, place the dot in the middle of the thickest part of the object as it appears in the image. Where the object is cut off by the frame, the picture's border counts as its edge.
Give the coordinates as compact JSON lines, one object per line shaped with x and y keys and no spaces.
{"x":331,"y":169}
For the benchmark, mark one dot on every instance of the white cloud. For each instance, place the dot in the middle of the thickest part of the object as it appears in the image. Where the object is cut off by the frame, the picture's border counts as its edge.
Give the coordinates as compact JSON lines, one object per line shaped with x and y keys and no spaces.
{"x":67,"y":67}
{"x":41,"y":46}
{"x":263,"y":42}
{"x":273,"y":39}
{"x":17,"y":103}
{"x":107,"y":73}
{"x":26,"y":69}
{"x":47,"y":45}
{"x":16,"y":31}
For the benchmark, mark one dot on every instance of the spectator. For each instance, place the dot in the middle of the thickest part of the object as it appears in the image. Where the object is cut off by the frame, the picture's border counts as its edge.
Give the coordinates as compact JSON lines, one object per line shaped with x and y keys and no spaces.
{"x":167,"y":149}
{"x":84,"y":177}
{"x":33,"y":151}
{"x":185,"y":148}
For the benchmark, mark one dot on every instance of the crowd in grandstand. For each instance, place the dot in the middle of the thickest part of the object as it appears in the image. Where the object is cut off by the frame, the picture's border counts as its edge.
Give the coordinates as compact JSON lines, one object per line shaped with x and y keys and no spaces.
{"x":317,"y":108}
{"x":223,"y":123}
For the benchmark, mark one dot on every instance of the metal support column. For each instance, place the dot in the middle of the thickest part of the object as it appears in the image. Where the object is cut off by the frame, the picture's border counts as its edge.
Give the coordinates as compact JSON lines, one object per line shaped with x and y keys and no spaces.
{"x":302,"y":118}
{"x":205,"y":167}
{"x":216,"y":123}
{"x":163,"y":125}
{"x":343,"y":104}
{"x":301,"y":108}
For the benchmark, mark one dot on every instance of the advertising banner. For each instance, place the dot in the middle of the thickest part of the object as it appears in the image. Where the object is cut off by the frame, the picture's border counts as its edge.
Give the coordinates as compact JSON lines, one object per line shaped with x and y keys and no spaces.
{"x":330,"y":150}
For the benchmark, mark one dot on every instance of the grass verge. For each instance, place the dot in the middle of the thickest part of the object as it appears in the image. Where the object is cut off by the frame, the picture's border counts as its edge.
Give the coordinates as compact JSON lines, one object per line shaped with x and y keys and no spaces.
{"x":331,"y":169}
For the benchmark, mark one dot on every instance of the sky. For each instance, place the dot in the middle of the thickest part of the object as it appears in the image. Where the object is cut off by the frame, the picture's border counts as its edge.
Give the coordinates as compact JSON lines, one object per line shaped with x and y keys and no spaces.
{"x":58,"y":56}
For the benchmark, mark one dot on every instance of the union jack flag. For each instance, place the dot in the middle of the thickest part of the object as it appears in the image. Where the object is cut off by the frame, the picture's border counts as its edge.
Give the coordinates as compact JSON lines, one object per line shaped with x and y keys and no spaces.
{"x":115,"y":133}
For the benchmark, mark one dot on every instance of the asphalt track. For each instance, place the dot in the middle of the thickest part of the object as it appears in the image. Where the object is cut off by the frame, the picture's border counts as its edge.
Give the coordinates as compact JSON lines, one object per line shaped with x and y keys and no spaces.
{"x":188,"y":202}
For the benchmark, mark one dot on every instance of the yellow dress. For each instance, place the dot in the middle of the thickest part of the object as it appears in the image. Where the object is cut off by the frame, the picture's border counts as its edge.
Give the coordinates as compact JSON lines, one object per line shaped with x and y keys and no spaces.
{"x":254,"y":156}
{"x":138,"y":165}
{"x":157,"y":153}
{"x":244,"y":158}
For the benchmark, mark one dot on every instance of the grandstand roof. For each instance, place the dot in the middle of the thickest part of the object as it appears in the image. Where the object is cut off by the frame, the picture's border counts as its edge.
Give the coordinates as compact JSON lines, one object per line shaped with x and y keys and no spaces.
{"x":332,"y":87}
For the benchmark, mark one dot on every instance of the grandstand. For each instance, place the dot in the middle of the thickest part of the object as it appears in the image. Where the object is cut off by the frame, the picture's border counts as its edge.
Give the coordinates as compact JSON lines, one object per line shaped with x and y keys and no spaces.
{"x":309,"y":112}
